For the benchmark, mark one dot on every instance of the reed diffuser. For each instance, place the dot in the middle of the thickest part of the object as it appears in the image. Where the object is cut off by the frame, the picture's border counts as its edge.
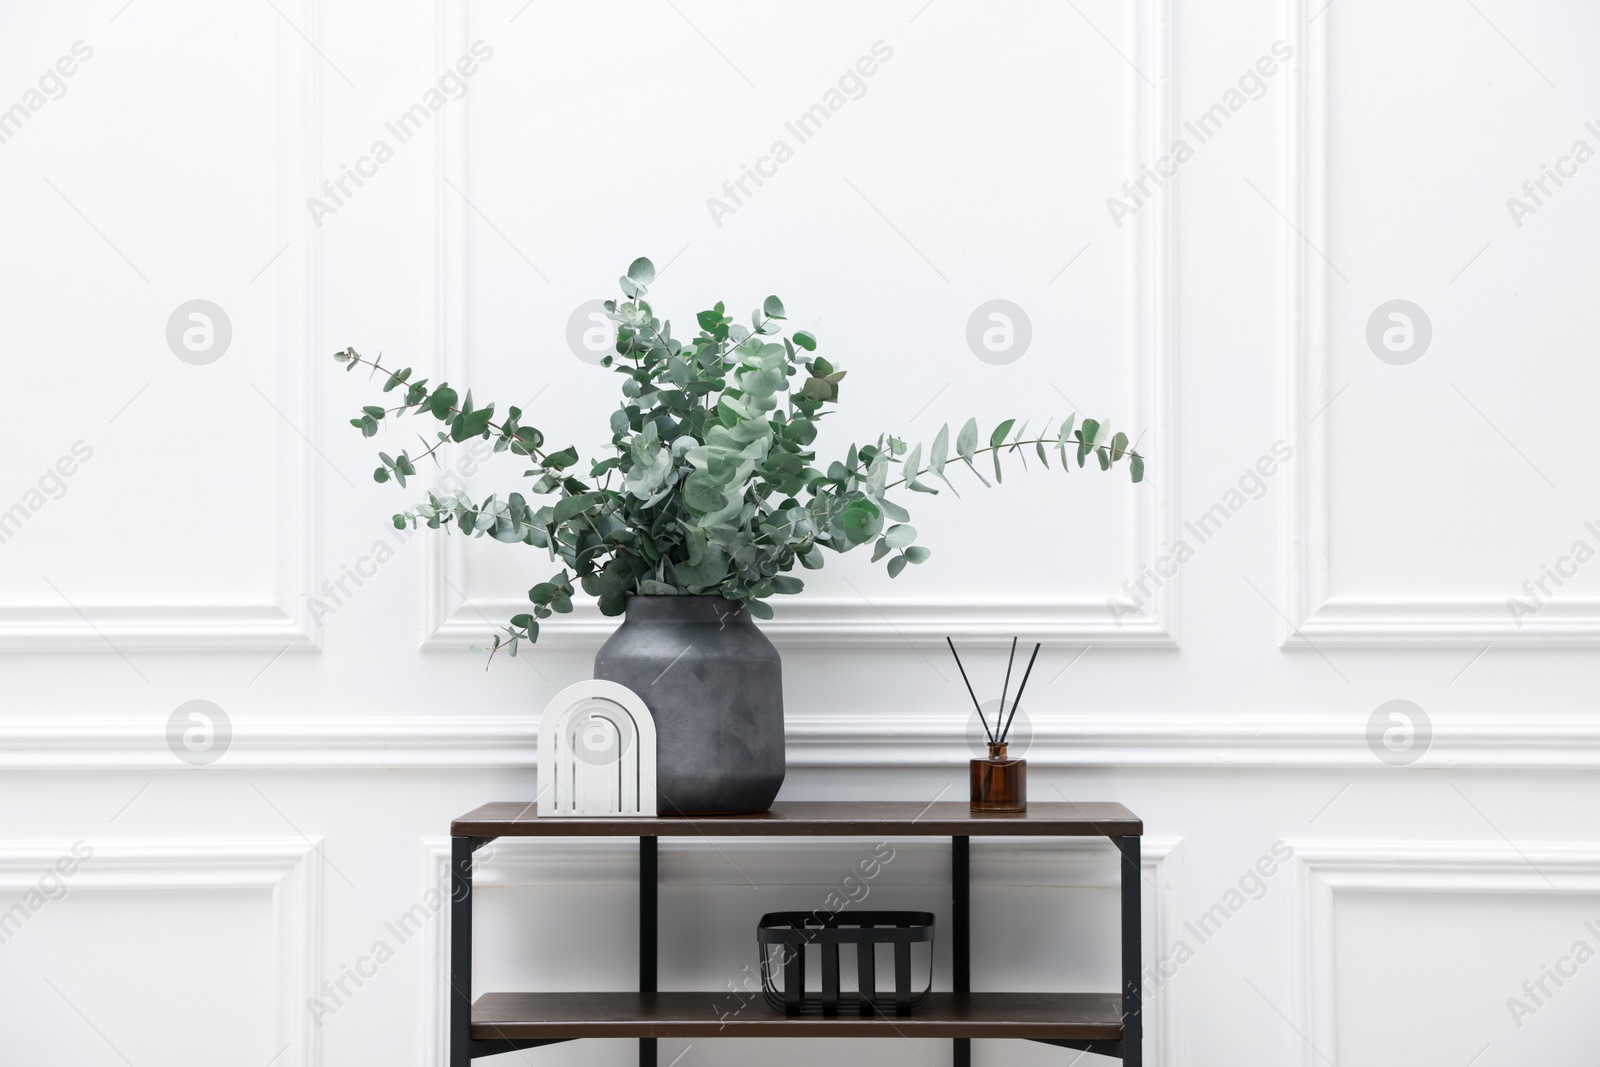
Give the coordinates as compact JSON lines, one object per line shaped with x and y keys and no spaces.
{"x":999,"y":783}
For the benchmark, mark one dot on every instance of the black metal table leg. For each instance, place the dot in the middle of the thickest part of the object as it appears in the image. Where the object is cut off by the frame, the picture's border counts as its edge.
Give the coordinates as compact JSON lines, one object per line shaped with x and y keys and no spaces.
{"x":647,"y":936}
{"x":460,"y":952}
{"x":464,"y":1048}
{"x":1132,"y":956}
{"x":961,"y":939}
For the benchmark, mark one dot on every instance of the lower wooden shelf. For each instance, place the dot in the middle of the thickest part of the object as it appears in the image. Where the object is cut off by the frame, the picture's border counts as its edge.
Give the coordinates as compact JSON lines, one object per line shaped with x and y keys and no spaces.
{"x":1032,"y":1016}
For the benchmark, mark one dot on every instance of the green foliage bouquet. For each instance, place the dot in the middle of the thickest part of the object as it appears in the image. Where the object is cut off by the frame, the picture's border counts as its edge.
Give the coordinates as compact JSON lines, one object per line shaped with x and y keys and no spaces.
{"x":713,"y":487}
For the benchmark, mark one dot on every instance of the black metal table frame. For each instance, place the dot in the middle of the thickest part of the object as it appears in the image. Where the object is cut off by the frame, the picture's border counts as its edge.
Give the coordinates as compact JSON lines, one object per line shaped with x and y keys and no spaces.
{"x":464,"y":1047}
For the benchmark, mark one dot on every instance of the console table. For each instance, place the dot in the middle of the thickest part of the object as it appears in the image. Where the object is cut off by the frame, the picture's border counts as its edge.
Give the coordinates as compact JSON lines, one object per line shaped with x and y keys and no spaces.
{"x":1104,"y":1023}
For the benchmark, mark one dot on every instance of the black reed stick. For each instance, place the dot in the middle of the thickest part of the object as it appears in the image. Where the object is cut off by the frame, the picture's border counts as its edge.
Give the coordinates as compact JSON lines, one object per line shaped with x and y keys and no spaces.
{"x":1007,"y":731}
{"x":1009,"y":660}
{"x":986,"y":731}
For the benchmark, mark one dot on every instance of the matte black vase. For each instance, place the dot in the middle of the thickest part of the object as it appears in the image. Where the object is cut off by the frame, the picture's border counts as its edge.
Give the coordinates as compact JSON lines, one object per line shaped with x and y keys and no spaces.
{"x":714,"y":684}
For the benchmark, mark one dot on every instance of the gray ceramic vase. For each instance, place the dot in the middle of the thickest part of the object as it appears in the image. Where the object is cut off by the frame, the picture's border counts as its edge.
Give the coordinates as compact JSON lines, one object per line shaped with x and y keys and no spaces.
{"x":714,"y":684}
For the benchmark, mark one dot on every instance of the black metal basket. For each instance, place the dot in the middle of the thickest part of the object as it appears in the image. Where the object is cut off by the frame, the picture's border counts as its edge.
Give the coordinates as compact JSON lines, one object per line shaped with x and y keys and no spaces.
{"x":782,"y":937}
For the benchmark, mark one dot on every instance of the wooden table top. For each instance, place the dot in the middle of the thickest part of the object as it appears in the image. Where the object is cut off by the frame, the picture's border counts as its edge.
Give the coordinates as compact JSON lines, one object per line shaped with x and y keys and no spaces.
{"x":802,"y":818}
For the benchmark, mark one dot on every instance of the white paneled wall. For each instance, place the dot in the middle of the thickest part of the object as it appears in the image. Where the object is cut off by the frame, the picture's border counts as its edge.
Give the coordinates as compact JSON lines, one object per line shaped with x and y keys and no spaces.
{"x":1207,"y":214}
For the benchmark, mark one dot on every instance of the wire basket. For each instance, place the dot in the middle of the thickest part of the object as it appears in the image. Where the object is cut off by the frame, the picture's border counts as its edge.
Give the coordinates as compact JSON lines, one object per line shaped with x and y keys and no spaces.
{"x":783,"y":938}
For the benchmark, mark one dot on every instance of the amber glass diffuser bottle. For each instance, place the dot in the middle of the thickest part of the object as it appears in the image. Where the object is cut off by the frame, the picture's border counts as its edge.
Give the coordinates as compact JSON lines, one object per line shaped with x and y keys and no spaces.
{"x":999,"y":783}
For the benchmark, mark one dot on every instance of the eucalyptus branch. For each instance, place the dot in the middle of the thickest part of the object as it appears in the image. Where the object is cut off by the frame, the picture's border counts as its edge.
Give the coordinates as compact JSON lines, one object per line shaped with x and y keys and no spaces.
{"x":356,"y":359}
{"x":1048,"y":442}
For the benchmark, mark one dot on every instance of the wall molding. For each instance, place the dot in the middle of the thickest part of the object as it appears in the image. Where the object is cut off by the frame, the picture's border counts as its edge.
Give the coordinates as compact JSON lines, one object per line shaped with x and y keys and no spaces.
{"x":283,"y":622}
{"x":800,"y":622}
{"x":1317,"y":616}
{"x":1302,"y":322}
{"x":172,"y":627}
{"x":1089,"y":863}
{"x":453,"y":621}
{"x":835,"y":740}
{"x":1325,"y":868}
{"x":1454,"y":622}
{"x":290,"y":868}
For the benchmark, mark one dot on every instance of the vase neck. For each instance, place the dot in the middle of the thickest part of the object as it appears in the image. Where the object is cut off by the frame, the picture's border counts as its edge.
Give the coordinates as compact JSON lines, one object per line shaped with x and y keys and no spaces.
{"x":997,"y":750}
{"x":686,"y":609}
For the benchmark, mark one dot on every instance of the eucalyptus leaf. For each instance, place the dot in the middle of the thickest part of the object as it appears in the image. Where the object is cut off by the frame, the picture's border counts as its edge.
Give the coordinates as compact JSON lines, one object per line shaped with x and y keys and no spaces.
{"x":967,"y":440}
{"x":641,"y":271}
{"x":861,"y":521}
{"x":913,"y":464}
{"x":900,"y":536}
{"x":575,"y":505}
{"x":941,"y":445}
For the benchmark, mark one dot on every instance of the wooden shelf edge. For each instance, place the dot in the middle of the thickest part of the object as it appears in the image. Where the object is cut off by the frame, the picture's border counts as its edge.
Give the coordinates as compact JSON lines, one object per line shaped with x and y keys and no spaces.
{"x":1053,"y":1016}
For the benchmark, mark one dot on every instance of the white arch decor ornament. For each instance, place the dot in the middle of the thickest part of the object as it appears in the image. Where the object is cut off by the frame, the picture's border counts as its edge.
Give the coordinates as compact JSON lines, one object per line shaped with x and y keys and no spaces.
{"x":597,"y":753}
